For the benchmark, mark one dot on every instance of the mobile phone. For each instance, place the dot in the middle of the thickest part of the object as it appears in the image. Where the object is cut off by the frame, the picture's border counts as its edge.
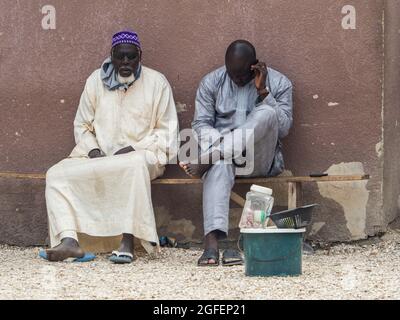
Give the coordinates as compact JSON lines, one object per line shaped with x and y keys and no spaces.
{"x":253,"y":71}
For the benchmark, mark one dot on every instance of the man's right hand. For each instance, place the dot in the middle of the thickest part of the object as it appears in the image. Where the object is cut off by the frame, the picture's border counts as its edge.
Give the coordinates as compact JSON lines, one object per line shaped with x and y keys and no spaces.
{"x":95,"y":153}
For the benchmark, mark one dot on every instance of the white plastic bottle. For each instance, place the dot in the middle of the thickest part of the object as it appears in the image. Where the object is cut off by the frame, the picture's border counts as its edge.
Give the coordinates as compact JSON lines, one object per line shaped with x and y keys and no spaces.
{"x":258,"y":207}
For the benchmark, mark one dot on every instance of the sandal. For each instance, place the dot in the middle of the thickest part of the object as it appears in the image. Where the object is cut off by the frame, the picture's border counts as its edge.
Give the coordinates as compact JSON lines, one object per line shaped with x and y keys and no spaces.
{"x":206,"y":256}
{"x":121,"y":257}
{"x":231,"y":257}
{"x":86,"y":258}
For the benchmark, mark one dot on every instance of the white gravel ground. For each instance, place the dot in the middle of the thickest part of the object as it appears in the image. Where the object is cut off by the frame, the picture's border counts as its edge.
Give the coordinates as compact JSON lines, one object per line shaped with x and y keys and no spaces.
{"x":346,"y":271}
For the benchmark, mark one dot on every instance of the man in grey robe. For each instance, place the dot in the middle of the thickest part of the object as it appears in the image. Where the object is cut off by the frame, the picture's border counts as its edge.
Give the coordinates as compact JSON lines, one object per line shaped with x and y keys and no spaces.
{"x":241,"y":97}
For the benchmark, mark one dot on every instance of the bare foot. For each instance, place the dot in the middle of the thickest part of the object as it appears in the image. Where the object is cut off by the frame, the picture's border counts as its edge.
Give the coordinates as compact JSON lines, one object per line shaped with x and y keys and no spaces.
{"x":211,"y":242}
{"x":203,"y":163}
{"x":195,"y":170}
{"x":68,"y":248}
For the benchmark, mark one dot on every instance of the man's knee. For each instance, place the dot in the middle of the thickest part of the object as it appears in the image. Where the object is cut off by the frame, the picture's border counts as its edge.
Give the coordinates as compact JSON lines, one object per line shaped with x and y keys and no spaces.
{"x":135,"y":161}
{"x":144,"y":159}
{"x":266,"y":115}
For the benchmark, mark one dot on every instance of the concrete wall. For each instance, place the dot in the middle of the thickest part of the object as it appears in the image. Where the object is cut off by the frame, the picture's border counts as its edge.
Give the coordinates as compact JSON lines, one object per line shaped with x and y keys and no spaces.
{"x":337,"y":74}
{"x":391,"y":151}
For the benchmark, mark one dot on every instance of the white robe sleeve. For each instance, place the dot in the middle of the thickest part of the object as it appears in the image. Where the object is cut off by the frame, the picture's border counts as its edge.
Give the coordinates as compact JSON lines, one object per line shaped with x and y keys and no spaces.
{"x":163,"y":139}
{"x":85,"y":136}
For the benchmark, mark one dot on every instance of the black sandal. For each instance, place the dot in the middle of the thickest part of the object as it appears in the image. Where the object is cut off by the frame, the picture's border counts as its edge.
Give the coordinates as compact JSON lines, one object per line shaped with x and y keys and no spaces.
{"x":206,"y":256}
{"x":231,"y":257}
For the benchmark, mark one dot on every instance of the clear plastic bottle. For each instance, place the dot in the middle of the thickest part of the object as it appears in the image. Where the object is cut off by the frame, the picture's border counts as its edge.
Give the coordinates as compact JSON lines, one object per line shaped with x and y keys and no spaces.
{"x":257,"y":209}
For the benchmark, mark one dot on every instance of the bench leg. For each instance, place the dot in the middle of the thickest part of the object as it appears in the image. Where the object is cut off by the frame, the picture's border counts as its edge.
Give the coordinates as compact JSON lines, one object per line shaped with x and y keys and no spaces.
{"x":237,"y":199}
{"x":294,"y":195}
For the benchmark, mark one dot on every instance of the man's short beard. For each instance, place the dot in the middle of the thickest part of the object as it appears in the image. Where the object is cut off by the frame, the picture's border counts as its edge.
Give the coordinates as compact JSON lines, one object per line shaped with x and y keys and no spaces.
{"x":124,"y":80}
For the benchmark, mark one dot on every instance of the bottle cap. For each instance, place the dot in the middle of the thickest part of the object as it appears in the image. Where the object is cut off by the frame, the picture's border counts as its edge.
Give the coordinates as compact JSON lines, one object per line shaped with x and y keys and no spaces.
{"x":260,"y":189}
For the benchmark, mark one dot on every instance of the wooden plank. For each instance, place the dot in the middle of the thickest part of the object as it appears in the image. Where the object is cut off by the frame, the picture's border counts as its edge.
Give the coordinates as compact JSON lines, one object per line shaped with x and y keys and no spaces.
{"x":303,"y":179}
{"x":270,"y":180}
{"x":294,"y":194}
{"x":22,"y":175}
{"x":177,"y":181}
{"x":237,"y":199}
{"x":199,"y":181}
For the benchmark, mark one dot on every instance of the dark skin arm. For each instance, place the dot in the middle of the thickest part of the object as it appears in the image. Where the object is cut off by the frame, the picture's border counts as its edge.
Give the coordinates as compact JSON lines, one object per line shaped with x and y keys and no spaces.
{"x":261,"y":73}
{"x":95,"y":153}
{"x":124,"y":150}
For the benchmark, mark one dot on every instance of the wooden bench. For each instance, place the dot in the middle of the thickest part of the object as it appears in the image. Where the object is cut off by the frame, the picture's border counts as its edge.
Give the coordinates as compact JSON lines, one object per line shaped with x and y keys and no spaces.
{"x":107,"y":244}
{"x":294,"y":183}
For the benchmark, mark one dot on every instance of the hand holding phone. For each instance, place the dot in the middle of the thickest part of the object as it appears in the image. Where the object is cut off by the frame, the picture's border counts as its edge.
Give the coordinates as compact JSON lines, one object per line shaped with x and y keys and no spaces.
{"x":261,"y":71}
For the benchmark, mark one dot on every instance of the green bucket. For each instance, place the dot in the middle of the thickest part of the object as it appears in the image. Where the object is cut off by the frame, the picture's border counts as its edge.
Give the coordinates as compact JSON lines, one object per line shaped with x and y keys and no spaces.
{"x":273,"y":252}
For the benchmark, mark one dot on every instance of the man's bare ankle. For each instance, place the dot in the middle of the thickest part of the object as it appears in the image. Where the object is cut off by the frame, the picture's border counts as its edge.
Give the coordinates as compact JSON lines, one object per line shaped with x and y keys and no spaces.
{"x":211,"y":240}
{"x":127,"y":242}
{"x":70,"y":242}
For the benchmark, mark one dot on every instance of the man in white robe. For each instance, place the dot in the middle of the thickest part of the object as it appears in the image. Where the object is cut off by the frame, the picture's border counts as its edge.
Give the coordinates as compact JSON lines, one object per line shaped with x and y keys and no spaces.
{"x":126,"y":128}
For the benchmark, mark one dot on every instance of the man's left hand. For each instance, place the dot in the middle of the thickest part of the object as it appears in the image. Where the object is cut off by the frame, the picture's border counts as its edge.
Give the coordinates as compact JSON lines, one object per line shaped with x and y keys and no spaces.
{"x":124,"y":150}
{"x":261,"y":75}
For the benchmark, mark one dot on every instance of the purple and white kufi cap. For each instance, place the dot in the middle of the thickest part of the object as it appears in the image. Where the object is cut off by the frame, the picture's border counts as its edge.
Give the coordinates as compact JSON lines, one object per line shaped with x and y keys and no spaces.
{"x":126,"y":36}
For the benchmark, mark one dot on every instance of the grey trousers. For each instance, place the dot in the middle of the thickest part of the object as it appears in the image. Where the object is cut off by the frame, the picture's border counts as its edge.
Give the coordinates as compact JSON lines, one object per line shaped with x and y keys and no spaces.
{"x":219,"y":180}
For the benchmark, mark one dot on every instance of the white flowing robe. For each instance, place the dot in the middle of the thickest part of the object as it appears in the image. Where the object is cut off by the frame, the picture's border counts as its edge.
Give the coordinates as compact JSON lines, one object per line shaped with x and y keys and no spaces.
{"x":111,"y":195}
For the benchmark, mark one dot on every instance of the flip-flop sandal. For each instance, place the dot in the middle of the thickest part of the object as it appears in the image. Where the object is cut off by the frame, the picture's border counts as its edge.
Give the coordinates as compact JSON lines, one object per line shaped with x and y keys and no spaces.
{"x":231,"y":257}
{"x":121,"y":257}
{"x":86,"y":258}
{"x":206,"y":256}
